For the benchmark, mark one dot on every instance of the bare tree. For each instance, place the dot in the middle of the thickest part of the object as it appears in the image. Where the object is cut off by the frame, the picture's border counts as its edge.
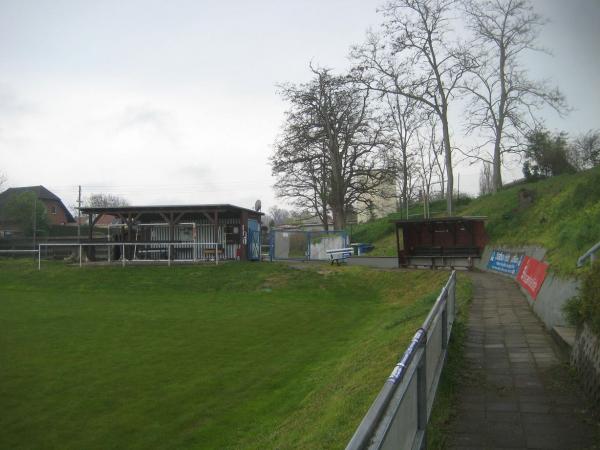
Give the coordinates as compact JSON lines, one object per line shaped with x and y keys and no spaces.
{"x":2,"y":180}
{"x":300,"y":165}
{"x":105,"y":201}
{"x":584,"y":151}
{"x":430,"y":153}
{"x":279,"y":215}
{"x":405,"y":121}
{"x":486,"y":181}
{"x":331,"y":154}
{"x":504,"y":99}
{"x":415,"y":57}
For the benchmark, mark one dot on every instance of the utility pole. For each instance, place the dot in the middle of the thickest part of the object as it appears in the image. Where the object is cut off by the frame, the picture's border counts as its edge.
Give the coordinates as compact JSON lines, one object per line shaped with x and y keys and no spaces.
{"x":34,"y":220}
{"x":79,"y":216}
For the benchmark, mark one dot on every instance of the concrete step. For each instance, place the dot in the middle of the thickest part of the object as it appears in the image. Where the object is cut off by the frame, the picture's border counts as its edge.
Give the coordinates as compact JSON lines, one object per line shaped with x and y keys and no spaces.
{"x":564,"y":337}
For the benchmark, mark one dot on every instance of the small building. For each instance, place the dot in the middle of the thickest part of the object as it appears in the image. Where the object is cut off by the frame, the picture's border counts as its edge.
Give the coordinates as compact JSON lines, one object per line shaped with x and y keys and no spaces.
{"x":58,"y":214}
{"x":200,"y":232}
{"x":440,"y":242}
{"x":381,"y":203}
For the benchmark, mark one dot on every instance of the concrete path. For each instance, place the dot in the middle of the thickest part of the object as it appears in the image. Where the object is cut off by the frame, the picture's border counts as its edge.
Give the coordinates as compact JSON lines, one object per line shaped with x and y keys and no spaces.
{"x":517,"y":392}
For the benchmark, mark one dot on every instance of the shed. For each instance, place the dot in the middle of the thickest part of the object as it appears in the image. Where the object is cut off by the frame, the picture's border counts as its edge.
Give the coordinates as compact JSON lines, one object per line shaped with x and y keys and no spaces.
{"x":232,"y":231}
{"x":443,"y":241}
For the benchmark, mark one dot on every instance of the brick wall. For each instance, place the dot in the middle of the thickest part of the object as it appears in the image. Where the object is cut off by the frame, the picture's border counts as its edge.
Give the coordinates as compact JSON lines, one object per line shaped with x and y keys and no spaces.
{"x":56,"y":213}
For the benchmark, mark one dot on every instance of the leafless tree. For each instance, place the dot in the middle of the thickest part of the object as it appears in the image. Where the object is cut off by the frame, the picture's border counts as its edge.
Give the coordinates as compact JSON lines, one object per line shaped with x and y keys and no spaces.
{"x":405,"y":119}
{"x":415,"y":56}
{"x":2,"y":180}
{"x":279,"y":215}
{"x":105,"y":201}
{"x":486,"y":181}
{"x":300,"y":166}
{"x":584,"y":151}
{"x":504,"y":99}
{"x":331,"y":154}
{"x":430,"y":153}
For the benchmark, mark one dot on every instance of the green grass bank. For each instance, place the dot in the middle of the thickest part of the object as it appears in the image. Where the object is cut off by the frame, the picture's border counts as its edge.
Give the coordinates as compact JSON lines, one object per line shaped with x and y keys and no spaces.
{"x":562,"y":215}
{"x":236,"y":356}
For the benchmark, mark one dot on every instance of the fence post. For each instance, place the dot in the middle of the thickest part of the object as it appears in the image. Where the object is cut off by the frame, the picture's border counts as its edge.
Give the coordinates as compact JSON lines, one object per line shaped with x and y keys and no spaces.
{"x":79,"y":255}
{"x":445,"y":323}
{"x":422,"y":393}
{"x":169,"y":256}
{"x":40,"y":257}
{"x":123,"y":255}
{"x":217,"y":254}
{"x":452,"y":296}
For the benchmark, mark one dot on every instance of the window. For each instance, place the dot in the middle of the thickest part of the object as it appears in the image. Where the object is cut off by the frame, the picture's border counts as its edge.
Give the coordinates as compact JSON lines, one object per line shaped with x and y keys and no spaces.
{"x":53,"y":210}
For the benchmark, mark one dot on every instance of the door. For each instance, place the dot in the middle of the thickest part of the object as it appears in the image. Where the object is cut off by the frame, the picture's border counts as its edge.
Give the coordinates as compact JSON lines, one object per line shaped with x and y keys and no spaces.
{"x":253,"y":240}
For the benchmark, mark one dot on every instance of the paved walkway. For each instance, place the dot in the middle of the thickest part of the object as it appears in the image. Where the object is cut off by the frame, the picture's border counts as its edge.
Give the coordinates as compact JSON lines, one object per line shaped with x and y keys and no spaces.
{"x":518,"y":393}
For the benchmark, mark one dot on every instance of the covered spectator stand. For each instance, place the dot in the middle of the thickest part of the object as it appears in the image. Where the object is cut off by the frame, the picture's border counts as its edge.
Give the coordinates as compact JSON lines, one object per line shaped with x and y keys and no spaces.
{"x":179,"y":232}
{"x":440,"y":242}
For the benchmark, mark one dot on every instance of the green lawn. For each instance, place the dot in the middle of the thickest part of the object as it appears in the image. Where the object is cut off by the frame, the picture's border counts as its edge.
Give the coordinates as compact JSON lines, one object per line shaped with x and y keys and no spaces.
{"x":236,"y":356}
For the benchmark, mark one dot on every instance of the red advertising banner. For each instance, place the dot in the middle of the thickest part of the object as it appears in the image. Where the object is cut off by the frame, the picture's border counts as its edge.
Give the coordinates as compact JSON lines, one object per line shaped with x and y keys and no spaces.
{"x":531,"y":275}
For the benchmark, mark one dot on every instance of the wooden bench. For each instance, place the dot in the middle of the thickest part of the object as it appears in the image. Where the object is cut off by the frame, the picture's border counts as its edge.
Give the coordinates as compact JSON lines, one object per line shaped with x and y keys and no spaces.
{"x":210,"y":254}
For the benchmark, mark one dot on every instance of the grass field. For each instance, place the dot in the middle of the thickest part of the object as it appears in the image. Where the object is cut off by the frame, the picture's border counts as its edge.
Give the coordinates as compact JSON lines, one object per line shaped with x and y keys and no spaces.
{"x":236,"y":356}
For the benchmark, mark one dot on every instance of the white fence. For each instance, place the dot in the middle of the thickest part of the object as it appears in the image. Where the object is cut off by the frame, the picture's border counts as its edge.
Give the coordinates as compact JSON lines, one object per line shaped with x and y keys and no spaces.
{"x":305,"y":245}
{"x":141,"y":252}
{"x":398,"y":417}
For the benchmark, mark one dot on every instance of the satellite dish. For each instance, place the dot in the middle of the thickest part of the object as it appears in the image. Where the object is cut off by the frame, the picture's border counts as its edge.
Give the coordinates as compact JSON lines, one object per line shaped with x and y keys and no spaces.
{"x":257,"y":206}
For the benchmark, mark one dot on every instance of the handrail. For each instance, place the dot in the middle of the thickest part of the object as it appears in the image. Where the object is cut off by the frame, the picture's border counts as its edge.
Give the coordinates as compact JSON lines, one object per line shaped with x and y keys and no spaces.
{"x":387,"y":423}
{"x":154,"y":244}
{"x":591,"y":254}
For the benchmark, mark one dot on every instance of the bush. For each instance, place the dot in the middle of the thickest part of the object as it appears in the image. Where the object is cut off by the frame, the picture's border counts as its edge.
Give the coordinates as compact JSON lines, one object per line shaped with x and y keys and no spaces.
{"x":590,"y":297}
{"x":572,"y":311}
{"x":586,"y":307}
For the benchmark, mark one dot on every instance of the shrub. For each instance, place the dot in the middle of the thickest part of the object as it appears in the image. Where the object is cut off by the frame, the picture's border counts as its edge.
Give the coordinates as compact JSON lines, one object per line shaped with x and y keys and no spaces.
{"x":590,"y":297}
{"x":586,"y":307}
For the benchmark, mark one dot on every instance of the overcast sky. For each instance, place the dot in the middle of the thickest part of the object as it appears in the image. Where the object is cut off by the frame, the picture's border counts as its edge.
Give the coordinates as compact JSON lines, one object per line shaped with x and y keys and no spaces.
{"x":175,"y":102}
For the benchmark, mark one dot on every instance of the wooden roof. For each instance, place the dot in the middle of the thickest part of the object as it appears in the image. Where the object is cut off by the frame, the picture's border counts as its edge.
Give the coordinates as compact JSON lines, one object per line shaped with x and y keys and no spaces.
{"x":123,"y":210}
{"x":441,"y":220}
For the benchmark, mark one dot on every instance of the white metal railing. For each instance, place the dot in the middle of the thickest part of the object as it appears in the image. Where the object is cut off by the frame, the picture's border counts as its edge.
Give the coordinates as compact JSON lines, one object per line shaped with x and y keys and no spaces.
{"x":162,"y":247}
{"x":590,"y":254}
{"x":398,"y":417}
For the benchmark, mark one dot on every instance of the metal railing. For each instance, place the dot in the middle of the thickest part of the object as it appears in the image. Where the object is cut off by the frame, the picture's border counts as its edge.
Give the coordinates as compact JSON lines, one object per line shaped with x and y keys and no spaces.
{"x":398,"y":417}
{"x":590,"y":254}
{"x":17,"y":252}
{"x":168,"y":248}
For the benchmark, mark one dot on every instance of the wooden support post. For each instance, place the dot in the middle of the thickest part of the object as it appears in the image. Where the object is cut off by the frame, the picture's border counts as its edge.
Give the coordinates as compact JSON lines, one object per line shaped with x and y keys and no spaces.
{"x":398,"y":244}
{"x":89,"y":250}
{"x":217,"y":237}
{"x":171,"y":235}
{"x":244,"y":236}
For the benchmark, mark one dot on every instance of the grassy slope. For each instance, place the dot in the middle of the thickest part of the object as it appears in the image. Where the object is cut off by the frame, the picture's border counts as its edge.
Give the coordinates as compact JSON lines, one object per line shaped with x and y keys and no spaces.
{"x":564,"y":218}
{"x":235,"y":356}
